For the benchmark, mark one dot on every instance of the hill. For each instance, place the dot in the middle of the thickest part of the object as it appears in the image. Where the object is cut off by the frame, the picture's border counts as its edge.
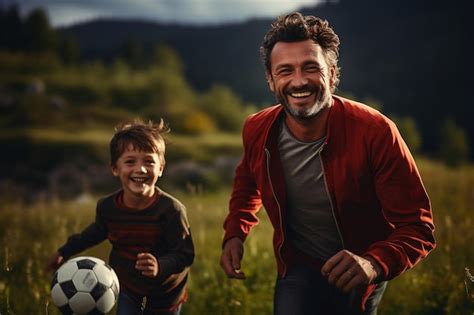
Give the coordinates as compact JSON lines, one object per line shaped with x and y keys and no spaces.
{"x":413,"y":57}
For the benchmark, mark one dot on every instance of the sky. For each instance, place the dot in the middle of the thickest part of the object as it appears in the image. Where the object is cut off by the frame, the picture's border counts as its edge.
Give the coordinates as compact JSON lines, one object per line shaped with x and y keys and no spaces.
{"x":67,"y":12}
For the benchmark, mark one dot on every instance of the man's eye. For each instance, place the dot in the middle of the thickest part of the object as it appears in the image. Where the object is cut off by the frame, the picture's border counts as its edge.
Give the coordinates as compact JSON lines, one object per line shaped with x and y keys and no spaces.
{"x":312,"y":69}
{"x":284,"y":72}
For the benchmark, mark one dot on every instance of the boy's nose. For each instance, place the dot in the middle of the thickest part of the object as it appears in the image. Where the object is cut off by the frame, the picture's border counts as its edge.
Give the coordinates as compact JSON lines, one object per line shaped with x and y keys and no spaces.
{"x":142,"y":169}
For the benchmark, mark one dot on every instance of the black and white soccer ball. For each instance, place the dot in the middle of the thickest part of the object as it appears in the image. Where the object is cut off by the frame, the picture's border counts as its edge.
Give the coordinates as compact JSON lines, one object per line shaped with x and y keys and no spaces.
{"x":85,"y":285}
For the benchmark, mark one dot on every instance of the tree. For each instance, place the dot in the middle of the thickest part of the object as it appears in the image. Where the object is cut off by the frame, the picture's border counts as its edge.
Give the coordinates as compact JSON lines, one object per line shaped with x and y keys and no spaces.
{"x":39,"y":34}
{"x":225,"y":107}
{"x":372,"y":102}
{"x":453,"y":145}
{"x":133,"y":53}
{"x":69,"y":50}
{"x":409,"y":131}
{"x":11,"y":29}
{"x":165,"y":57}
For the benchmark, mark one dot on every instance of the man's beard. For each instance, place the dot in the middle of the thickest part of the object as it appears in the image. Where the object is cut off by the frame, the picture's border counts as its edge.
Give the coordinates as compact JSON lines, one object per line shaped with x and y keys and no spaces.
{"x":323,"y":101}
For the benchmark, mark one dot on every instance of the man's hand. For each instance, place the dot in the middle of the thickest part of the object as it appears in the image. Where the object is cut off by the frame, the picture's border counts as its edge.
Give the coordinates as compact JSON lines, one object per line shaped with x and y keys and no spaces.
{"x":54,"y":262}
{"x":147,"y":264}
{"x":232,"y":254}
{"x":347,"y":270}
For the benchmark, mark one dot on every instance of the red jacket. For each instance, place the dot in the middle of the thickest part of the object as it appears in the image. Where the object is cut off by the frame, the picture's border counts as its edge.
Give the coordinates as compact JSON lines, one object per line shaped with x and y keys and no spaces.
{"x":379,"y":202}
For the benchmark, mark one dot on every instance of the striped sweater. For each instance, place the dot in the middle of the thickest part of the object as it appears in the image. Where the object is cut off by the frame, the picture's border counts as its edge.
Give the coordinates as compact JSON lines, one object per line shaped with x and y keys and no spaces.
{"x":161,"y":229}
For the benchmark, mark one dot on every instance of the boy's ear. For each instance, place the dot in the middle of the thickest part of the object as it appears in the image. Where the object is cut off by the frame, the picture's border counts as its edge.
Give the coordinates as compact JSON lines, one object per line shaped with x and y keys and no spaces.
{"x":114,"y":170}
{"x":162,"y":167}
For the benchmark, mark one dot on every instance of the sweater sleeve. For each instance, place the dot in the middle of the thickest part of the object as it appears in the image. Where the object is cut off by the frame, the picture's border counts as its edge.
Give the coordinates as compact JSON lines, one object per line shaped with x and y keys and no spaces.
{"x":92,"y":235}
{"x":404,"y":202}
{"x":180,"y":246}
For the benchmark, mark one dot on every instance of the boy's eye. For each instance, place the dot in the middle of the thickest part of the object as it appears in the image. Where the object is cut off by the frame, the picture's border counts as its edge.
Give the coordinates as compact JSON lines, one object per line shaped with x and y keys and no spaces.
{"x":150,"y":162}
{"x":129,"y":161}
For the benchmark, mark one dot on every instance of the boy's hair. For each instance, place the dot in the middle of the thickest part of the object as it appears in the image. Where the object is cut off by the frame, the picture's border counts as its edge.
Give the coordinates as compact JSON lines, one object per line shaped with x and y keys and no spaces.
{"x":146,"y":137}
{"x":295,"y":27}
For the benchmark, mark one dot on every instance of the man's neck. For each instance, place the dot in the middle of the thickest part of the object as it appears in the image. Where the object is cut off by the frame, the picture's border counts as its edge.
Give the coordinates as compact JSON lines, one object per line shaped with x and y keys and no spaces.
{"x":308,"y":130}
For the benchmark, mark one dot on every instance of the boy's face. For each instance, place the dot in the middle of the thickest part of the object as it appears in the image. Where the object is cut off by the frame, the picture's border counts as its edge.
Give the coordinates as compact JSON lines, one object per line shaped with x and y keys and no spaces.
{"x":138,"y":172}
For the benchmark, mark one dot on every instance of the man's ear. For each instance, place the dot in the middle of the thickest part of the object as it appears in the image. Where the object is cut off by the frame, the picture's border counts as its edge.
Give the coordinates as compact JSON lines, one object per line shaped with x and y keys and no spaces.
{"x":271,"y":84}
{"x":332,"y":76}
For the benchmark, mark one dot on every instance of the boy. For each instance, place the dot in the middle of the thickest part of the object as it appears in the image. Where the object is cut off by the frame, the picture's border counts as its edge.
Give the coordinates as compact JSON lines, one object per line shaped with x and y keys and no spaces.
{"x":152,"y":248}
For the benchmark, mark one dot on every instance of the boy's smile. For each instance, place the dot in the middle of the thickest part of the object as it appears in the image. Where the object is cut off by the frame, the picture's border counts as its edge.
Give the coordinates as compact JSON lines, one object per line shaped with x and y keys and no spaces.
{"x":138,"y":172}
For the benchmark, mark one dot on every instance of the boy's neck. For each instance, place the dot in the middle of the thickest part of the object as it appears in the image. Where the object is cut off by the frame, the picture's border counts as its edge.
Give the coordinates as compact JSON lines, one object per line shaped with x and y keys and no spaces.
{"x":138,"y":202}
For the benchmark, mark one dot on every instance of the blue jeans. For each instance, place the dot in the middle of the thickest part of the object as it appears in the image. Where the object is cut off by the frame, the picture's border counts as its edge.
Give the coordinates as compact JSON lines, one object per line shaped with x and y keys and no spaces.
{"x":305,"y":292}
{"x":129,"y":306}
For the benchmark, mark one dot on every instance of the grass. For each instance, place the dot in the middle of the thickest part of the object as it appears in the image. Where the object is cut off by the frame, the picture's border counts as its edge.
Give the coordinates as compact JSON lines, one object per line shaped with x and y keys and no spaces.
{"x":30,"y":234}
{"x":102,"y":136}
{"x":42,"y":135}
{"x":202,"y":147}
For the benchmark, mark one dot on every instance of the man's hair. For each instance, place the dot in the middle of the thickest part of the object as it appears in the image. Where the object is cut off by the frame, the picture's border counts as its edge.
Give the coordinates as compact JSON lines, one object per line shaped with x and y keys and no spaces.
{"x":295,"y":27}
{"x":146,"y":137}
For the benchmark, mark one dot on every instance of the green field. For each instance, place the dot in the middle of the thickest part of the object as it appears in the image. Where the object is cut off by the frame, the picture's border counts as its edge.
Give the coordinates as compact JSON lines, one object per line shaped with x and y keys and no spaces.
{"x":56,"y":119}
{"x":30,"y":234}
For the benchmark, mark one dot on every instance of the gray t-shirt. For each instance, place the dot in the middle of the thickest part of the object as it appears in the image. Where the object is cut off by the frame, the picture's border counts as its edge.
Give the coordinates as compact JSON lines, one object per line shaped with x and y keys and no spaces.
{"x":311,"y":223}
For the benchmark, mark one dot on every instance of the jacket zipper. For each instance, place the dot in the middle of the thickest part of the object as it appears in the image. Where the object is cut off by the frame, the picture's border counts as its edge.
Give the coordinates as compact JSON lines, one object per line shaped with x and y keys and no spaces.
{"x":279,"y":211}
{"x":330,"y":199}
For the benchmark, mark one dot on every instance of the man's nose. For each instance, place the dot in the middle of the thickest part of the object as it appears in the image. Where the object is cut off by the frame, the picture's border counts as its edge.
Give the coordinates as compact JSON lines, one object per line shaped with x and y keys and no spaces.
{"x":299,"y":78}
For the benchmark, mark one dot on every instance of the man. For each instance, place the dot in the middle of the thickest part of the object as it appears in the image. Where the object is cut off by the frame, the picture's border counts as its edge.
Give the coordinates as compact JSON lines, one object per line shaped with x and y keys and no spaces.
{"x":340,"y":186}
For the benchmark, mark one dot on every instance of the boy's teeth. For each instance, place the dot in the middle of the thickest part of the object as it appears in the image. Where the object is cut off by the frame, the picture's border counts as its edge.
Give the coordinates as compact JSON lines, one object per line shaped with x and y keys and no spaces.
{"x":139,"y":179}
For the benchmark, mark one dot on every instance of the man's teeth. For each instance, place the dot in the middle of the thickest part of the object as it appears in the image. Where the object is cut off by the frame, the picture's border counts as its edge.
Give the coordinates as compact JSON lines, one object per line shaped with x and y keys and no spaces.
{"x":300,"y":94}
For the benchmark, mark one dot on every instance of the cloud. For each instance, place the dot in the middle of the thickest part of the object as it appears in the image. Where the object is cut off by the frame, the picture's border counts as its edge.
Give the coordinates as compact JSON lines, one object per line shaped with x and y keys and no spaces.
{"x":65,"y":12}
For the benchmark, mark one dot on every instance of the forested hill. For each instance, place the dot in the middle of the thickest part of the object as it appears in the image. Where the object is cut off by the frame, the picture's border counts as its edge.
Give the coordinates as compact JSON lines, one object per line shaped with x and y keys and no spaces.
{"x":412,"y":57}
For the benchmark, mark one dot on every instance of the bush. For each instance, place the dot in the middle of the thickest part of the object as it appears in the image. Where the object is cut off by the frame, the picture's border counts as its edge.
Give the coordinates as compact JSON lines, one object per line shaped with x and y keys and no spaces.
{"x":409,"y":132}
{"x":32,"y":111}
{"x":28,"y":63}
{"x":79,"y":93}
{"x":133,"y":99}
{"x":453,"y":145}
{"x":196,"y":122}
{"x":225,"y":108}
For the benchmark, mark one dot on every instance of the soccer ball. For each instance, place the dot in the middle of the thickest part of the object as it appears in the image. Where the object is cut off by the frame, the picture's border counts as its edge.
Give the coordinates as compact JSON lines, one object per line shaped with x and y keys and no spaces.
{"x":85,"y":285}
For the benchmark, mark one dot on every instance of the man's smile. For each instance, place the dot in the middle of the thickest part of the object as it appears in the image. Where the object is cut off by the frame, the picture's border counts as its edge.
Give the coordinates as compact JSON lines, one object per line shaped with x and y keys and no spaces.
{"x":300,"y":94}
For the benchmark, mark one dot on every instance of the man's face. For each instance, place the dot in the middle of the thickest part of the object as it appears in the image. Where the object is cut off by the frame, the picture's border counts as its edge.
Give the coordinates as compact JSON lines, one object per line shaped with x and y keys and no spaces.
{"x":300,"y":78}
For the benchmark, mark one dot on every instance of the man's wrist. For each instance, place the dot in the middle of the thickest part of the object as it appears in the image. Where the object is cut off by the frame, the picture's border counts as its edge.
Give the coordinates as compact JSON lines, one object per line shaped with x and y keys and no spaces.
{"x":376,"y":267}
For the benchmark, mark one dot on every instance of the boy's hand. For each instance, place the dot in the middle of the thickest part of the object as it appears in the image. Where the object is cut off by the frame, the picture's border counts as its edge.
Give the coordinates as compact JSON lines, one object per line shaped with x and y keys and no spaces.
{"x":54,"y":262}
{"x":147,"y":264}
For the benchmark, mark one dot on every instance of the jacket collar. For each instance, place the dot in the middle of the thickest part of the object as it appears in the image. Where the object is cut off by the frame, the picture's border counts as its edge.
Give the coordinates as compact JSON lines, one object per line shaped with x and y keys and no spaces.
{"x":277,"y":112}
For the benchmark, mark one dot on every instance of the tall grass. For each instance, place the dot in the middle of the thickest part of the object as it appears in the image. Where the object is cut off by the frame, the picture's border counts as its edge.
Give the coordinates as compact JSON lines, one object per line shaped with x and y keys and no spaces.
{"x":30,"y":234}
{"x":436,"y":286}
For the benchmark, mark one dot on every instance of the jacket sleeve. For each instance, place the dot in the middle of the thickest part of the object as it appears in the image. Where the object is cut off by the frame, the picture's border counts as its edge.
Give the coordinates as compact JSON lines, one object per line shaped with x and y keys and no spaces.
{"x":245,"y":200}
{"x":404,"y":202}
{"x":92,"y":235}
